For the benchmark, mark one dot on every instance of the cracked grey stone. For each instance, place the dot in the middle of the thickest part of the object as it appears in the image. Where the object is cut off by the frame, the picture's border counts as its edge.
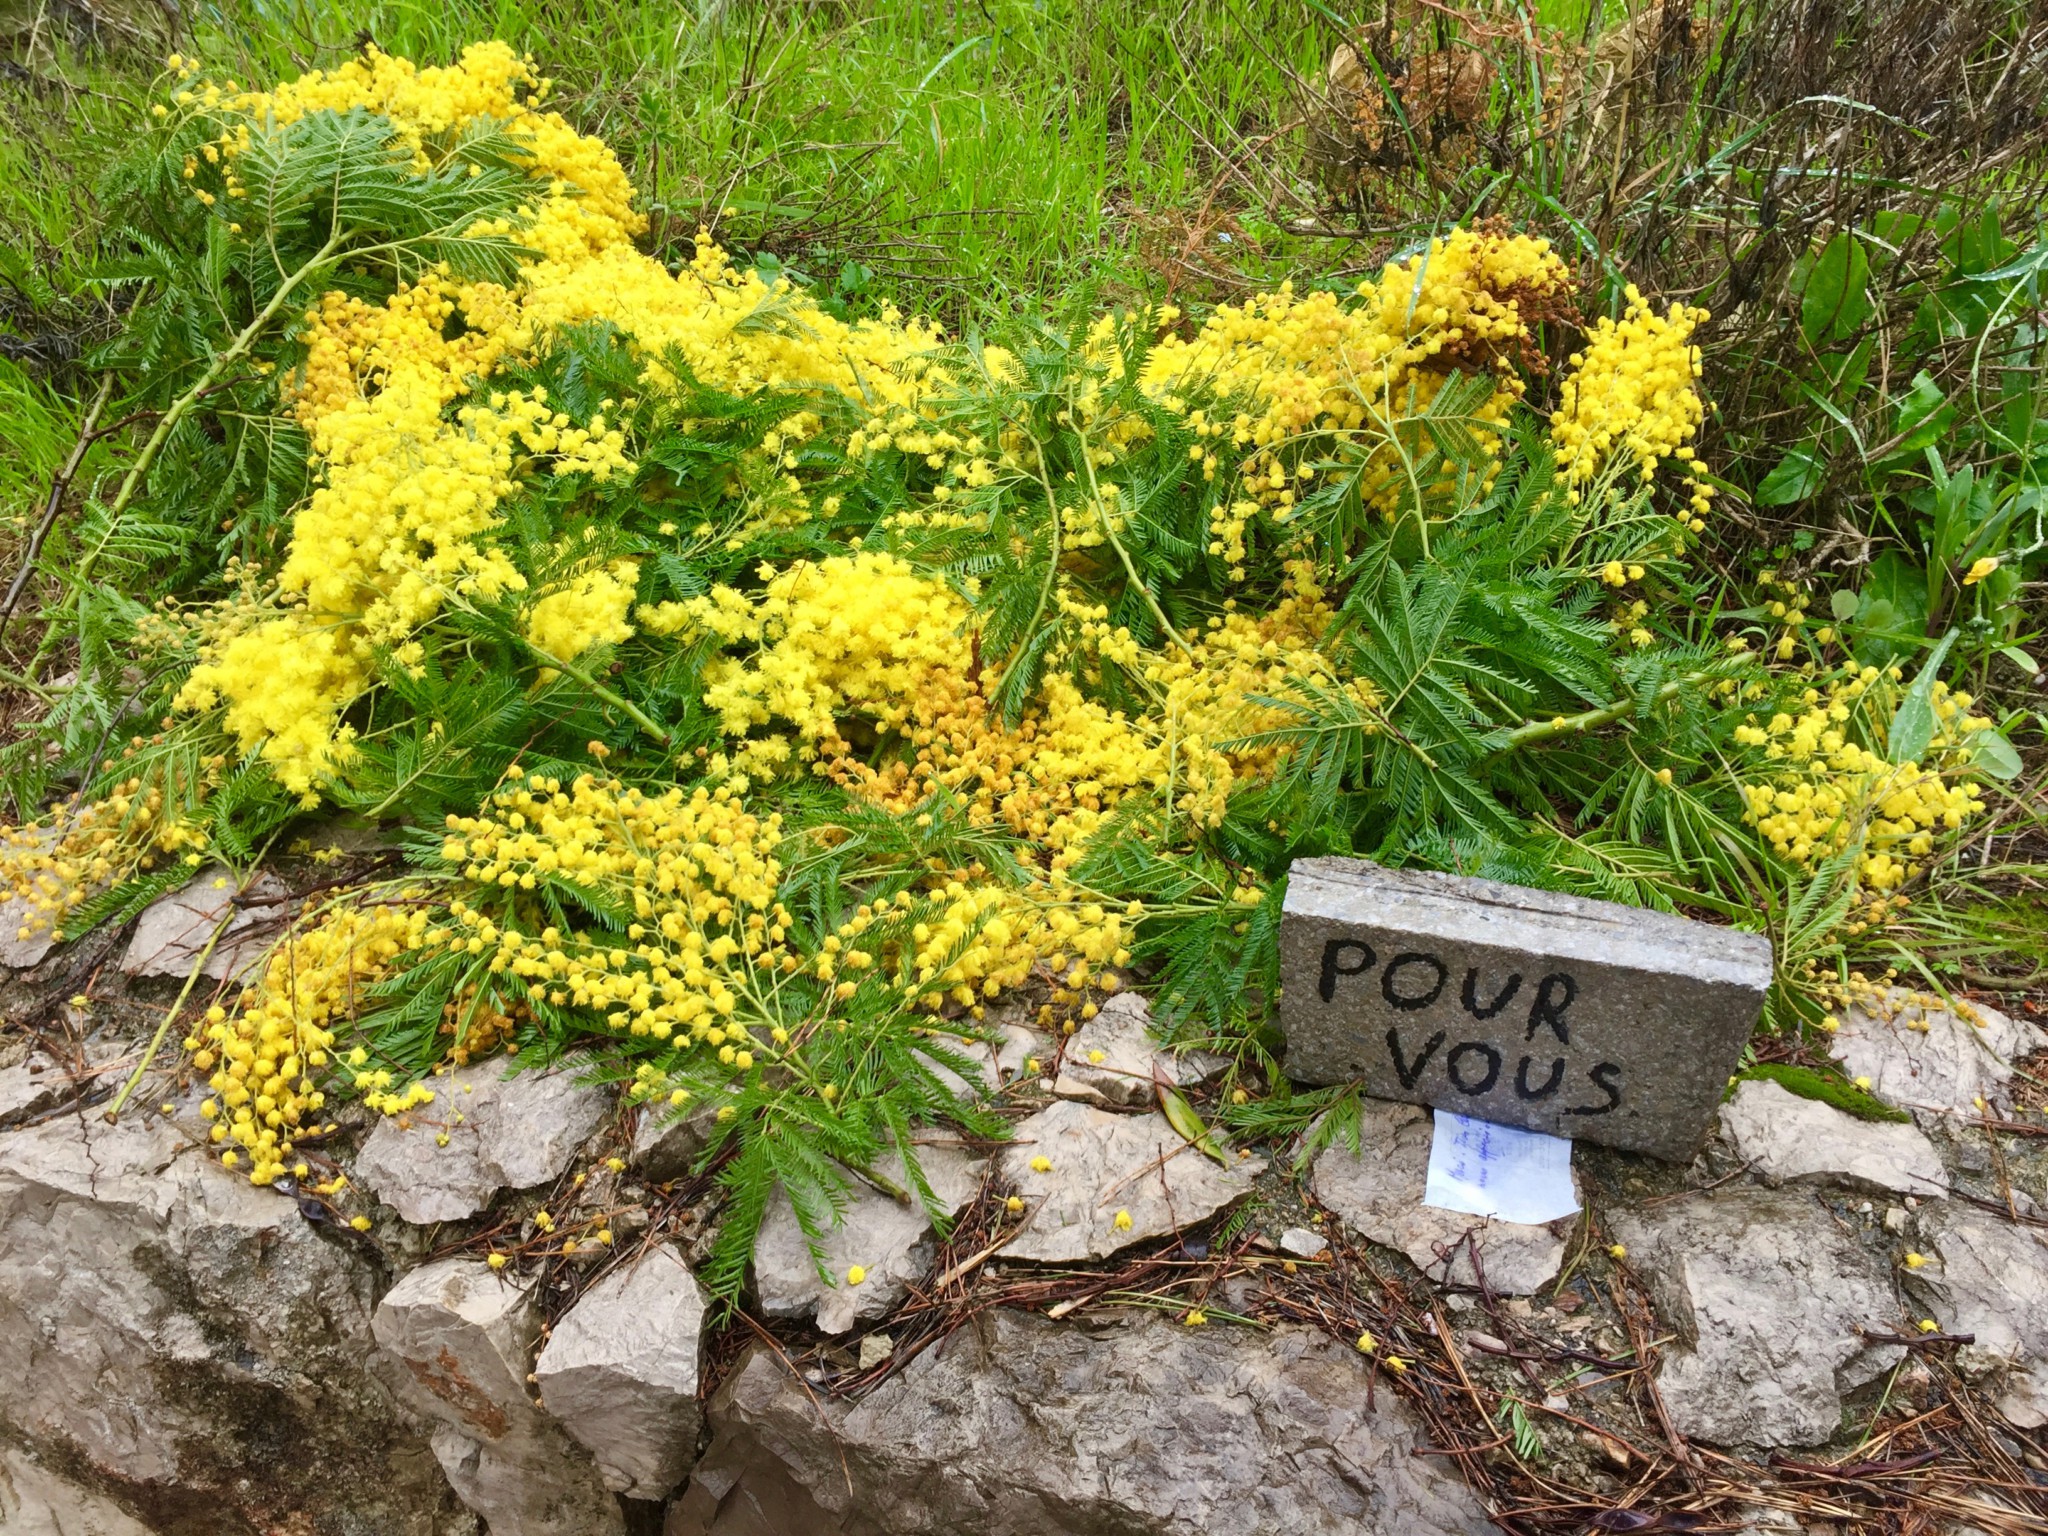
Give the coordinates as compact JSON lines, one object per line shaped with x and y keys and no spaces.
{"x":36,"y":1501}
{"x":456,"y":1341}
{"x":28,"y":1094}
{"x":1789,"y":1139}
{"x":1574,"y":1017}
{"x":1019,"y":1426}
{"x":890,"y":1240}
{"x":1992,"y":1280}
{"x":1120,"y":1035}
{"x":1922,"y":1057}
{"x":620,"y":1373}
{"x":173,"y":931}
{"x":1303,"y":1243}
{"x":1377,"y":1192}
{"x":503,"y":1133}
{"x":1104,"y":1163}
{"x":668,"y":1141}
{"x":1769,"y":1297}
{"x":25,"y":1091}
{"x":18,"y":953}
{"x":154,"y":1307}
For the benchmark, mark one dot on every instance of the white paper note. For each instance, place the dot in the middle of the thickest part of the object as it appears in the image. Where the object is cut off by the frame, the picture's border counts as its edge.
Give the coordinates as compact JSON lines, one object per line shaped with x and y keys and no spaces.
{"x":1499,"y":1171}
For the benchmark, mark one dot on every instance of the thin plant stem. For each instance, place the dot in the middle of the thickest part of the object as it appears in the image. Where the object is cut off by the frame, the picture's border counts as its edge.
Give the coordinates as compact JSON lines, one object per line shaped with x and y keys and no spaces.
{"x":1536,"y":732}
{"x":157,"y":1040}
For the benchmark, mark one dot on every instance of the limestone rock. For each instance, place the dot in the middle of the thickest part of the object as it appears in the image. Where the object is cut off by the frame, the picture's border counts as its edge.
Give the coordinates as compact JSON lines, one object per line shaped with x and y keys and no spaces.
{"x":997,"y":1062}
{"x":173,"y":931}
{"x":1303,"y":1243}
{"x":1789,"y":1139}
{"x":1121,"y":1035}
{"x":1992,"y":1281}
{"x":1921,"y":1056}
{"x":1020,"y":1426}
{"x":39,"y":1084}
{"x":1768,"y":1296}
{"x":1378,"y":1193}
{"x":456,"y":1341}
{"x":16,"y":952}
{"x":36,"y":1501}
{"x":25,"y":1091}
{"x":667,"y":1142}
{"x":503,"y":1133}
{"x":620,"y":1373}
{"x":1103,"y":1163}
{"x":464,"y":1334}
{"x":891,"y":1241}
{"x":186,"y":1340}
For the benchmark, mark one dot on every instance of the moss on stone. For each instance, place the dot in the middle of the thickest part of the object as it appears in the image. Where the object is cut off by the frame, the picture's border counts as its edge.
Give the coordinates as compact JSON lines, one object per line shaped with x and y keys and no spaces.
{"x":1825,"y":1087}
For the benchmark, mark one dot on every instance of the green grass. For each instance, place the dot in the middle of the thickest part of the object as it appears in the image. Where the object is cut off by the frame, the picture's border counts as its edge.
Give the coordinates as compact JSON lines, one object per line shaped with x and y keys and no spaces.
{"x":969,"y":161}
{"x":971,"y":157}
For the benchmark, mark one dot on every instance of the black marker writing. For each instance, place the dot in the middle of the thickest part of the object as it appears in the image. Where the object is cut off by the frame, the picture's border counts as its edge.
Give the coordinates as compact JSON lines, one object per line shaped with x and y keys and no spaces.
{"x":1501,"y":998}
{"x":1332,"y":953}
{"x":1419,"y":999}
{"x":1492,"y":1067}
{"x":1550,"y":1084}
{"x":1548,"y":1009}
{"x":1411,"y":1071}
{"x":1604,"y":1074}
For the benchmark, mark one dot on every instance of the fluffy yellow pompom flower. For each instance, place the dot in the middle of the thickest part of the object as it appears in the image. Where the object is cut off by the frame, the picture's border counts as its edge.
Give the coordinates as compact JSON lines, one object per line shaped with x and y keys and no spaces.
{"x":1632,"y":395}
{"x":589,"y":609}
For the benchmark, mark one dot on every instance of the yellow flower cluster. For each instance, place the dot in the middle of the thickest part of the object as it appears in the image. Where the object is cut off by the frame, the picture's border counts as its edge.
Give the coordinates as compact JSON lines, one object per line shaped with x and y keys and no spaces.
{"x":262,"y":1061}
{"x":1789,"y":609}
{"x":1826,"y":791}
{"x":1219,"y":700}
{"x":699,"y":872}
{"x":1631,"y":397}
{"x":696,"y":869}
{"x":51,"y":869}
{"x":852,"y":634}
{"x":1312,"y":364}
{"x":869,"y":642}
{"x":869,"y":639}
{"x":861,"y":645}
{"x":414,"y":457}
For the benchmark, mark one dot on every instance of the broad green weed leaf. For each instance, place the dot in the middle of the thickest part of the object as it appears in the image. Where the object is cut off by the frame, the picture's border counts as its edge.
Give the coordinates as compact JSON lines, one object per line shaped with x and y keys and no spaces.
{"x":1991,"y":753}
{"x":1924,"y":414}
{"x":1913,"y":725}
{"x":1835,"y":302}
{"x":1795,"y":477}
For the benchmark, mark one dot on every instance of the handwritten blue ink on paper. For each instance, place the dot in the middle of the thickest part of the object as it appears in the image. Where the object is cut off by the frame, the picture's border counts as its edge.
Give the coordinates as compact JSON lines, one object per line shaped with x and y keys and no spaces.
{"x":1499,"y":1171}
